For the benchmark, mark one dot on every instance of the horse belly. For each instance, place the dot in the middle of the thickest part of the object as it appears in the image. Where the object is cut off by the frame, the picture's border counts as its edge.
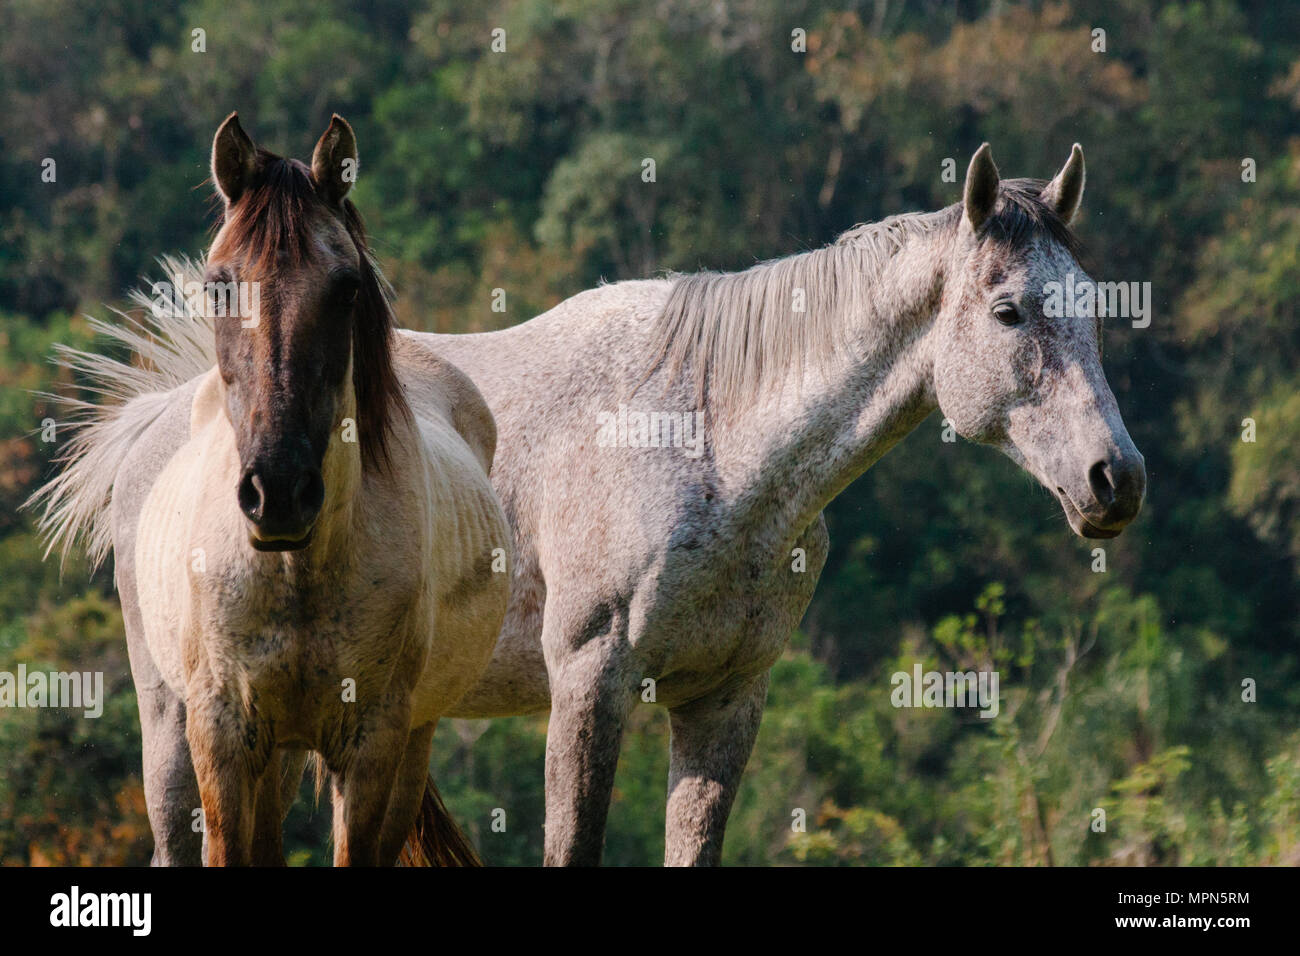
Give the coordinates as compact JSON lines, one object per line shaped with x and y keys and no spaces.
{"x":469,"y":591}
{"x":515,"y":681}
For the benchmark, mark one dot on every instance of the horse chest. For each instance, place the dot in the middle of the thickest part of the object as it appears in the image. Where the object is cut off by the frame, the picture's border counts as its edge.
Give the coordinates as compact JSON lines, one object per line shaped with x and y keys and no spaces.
{"x":306,"y":648}
{"x":726,"y":609}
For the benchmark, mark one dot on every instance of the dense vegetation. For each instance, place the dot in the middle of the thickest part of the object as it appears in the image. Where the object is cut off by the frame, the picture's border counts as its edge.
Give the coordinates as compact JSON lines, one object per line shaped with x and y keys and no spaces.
{"x":1122,"y":690}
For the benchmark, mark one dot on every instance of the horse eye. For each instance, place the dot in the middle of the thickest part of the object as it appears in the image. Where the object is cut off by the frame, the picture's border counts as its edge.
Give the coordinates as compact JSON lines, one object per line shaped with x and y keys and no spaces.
{"x":1006,"y":313}
{"x":347,"y":288}
{"x":219,"y":297}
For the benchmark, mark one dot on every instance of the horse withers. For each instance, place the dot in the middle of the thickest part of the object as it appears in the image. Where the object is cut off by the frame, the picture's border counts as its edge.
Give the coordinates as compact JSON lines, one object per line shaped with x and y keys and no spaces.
{"x":644,"y":560}
{"x":303,"y":527}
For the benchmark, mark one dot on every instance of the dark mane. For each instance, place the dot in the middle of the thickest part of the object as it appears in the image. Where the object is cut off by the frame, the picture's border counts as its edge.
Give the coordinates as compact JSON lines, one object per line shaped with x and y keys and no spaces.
{"x":274,"y":216}
{"x":374,"y":380}
{"x":1021,"y":213}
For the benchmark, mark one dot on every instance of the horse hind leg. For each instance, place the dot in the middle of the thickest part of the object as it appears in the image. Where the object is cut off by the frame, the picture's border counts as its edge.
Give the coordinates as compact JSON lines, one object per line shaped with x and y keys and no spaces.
{"x":711,"y":741}
{"x":171,"y":791}
{"x":292,"y":765}
{"x":408,"y":796}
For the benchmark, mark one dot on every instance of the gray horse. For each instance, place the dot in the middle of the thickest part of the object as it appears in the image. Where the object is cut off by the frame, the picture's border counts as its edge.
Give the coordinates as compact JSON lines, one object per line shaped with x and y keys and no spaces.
{"x":666,"y":449}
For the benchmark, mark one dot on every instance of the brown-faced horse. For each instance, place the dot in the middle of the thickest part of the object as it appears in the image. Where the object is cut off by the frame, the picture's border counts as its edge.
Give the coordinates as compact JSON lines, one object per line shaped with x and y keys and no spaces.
{"x":303,"y":527}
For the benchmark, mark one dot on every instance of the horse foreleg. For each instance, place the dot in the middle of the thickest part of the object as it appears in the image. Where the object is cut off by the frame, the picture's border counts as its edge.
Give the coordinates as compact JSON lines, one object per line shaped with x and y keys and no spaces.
{"x":268,"y":834}
{"x":363,"y":788}
{"x":590,"y":700}
{"x":228,"y":779}
{"x":408,"y":791}
{"x":711,"y":741}
{"x":292,"y":765}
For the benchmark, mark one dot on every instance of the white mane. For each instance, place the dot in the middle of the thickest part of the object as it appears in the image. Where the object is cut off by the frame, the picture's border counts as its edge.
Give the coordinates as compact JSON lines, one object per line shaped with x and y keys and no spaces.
{"x":171,"y":346}
{"x":738,"y":327}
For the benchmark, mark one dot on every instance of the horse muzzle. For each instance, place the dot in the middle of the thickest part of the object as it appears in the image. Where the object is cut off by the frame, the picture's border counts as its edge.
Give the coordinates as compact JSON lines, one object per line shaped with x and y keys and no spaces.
{"x":281,"y":505}
{"x":1116,"y":487}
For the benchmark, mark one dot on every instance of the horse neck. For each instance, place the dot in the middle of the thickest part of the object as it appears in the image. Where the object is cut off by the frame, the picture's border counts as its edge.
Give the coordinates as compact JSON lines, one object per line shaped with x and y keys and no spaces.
{"x":802,"y":442}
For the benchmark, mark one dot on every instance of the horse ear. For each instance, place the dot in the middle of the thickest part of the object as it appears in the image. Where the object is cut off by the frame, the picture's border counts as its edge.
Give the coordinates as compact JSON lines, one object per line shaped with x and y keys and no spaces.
{"x":334,"y":163}
{"x":1065,"y":192}
{"x":981,"y":193}
{"x":234,"y":159}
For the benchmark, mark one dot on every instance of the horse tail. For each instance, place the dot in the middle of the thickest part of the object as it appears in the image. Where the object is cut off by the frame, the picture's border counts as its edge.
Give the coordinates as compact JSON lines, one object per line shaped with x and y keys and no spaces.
{"x":175,"y":344}
{"x":436,"y":840}
{"x":319,"y":775}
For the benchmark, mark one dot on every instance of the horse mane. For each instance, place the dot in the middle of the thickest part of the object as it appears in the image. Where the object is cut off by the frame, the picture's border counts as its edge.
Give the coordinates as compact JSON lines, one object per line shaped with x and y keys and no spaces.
{"x":173,"y":345}
{"x":736,"y":329}
{"x":271,"y":218}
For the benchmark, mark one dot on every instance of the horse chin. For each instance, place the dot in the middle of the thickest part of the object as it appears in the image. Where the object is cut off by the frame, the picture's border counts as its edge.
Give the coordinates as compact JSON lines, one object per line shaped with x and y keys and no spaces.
{"x":1081,"y":525}
{"x":280,"y":544}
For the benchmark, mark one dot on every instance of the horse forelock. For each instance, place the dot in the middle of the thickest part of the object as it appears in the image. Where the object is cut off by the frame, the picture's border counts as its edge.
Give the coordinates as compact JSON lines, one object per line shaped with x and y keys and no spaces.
{"x":1021,"y":215}
{"x":271,"y":218}
{"x":274,"y":219}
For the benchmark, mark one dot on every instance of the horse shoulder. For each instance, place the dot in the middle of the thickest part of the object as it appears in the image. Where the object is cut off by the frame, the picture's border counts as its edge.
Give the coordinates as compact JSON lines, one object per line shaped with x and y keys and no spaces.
{"x":435,"y":387}
{"x":151,"y":560}
{"x":144,"y":461}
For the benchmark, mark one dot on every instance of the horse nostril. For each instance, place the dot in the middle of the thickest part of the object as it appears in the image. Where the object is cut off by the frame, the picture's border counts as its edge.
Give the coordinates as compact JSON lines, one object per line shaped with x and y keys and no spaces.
{"x":252,"y":496}
{"x":309,"y":492}
{"x":1102,"y":483}
{"x":281,"y":502}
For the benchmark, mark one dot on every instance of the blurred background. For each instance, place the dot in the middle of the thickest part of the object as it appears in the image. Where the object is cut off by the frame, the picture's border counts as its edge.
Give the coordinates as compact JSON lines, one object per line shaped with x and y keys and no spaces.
{"x":1122,"y":690}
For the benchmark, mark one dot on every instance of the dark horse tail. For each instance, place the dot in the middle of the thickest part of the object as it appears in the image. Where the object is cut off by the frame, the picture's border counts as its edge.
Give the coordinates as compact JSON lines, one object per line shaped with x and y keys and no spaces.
{"x":436,"y":840}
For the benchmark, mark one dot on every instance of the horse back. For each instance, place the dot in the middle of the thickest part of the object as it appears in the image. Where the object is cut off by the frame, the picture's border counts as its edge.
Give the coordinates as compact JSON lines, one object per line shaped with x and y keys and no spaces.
{"x":434,"y":386}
